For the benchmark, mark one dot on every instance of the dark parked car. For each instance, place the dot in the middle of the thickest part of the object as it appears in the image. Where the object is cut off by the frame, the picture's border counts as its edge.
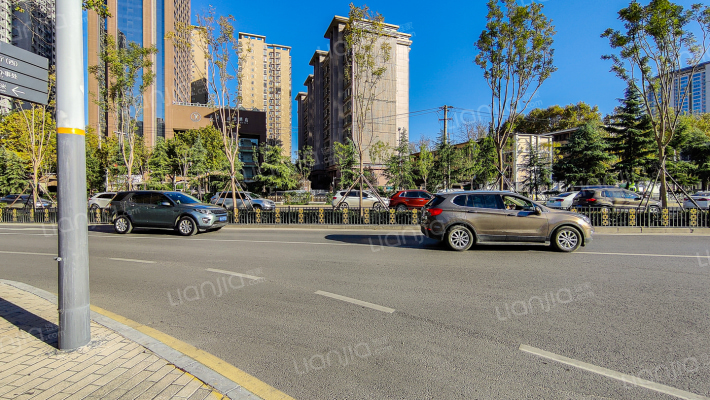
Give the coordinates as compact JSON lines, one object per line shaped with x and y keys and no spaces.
{"x":408,"y":199}
{"x":464,"y":218}
{"x":152,"y":209}
{"x":614,"y":198}
{"x":24,"y":200}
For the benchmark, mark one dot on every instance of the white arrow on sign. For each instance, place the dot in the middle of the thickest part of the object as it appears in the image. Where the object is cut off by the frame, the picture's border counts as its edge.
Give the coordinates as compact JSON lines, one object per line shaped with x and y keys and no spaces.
{"x":17,"y":92}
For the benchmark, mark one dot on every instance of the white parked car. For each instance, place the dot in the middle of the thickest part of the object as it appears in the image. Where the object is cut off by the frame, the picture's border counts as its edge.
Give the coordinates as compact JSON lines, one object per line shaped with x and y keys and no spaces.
{"x":702,"y":198}
{"x":352,"y":200}
{"x":562,"y":201}
{"x":100,"y":200}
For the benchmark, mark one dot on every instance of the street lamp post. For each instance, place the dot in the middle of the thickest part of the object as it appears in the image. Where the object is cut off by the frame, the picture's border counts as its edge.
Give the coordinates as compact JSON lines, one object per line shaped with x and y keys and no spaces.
{"x":72,"y":226}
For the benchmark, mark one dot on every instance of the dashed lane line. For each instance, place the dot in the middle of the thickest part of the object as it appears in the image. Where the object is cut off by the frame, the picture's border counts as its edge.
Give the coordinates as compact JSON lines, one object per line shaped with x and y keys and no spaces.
{"x":27,"y":253}
{"x":134,"y":261}
{"x":356,"y":301}
{"x":221,"y":271}
{"x":630,"y":379}
{"x":637,"y":254}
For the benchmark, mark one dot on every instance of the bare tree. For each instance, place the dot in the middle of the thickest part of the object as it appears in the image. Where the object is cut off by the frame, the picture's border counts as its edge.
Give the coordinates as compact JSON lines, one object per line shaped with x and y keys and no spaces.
{"x":368,"y":55}
{"x":214,"y":37}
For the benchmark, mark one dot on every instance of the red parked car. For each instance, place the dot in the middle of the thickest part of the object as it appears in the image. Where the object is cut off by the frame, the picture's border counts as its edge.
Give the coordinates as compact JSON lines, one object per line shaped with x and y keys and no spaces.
{"x":408,"y":199}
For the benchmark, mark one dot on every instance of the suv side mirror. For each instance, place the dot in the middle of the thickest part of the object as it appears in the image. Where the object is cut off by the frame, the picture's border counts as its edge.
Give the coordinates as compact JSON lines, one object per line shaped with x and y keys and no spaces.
{"x":538,"y":210}
{"x":166,"y":204}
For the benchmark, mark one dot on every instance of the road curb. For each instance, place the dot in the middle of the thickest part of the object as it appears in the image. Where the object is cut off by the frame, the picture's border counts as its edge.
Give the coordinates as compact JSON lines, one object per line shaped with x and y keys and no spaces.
{"x":209,"y":376}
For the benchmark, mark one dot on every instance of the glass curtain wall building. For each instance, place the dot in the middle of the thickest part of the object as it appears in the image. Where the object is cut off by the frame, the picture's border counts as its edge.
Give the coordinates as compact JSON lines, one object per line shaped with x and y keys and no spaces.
{"x":144,"y":22}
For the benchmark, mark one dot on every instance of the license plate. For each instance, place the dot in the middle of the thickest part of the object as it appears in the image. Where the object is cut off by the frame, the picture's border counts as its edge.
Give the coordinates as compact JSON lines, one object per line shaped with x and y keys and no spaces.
{"x":222,"y":219}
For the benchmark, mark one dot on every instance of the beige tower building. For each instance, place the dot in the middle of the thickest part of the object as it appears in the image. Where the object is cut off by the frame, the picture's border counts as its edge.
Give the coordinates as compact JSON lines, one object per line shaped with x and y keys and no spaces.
{"x":266,"y":85}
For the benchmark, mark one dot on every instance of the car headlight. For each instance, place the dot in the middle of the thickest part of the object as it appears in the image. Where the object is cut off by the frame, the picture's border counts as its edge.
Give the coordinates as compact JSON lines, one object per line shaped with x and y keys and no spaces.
{"x":203,"y":211}
{"x":585,"y":219}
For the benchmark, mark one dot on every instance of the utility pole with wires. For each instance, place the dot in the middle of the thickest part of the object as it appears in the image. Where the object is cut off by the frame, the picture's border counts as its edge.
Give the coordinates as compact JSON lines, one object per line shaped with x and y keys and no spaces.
{"x":446,"y":141}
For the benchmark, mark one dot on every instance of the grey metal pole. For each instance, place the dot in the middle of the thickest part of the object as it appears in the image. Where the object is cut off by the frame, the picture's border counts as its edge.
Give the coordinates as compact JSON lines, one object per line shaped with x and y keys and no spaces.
{"x":74,"y":313}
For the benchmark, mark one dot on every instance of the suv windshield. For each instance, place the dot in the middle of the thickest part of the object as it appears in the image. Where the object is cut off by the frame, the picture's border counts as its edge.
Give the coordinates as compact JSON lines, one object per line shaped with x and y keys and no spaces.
{"x":182,"y":198}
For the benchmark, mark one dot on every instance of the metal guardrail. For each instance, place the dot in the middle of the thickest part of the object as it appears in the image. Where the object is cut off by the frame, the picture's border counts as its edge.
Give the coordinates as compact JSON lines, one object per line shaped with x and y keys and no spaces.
{"x":600,"y":217}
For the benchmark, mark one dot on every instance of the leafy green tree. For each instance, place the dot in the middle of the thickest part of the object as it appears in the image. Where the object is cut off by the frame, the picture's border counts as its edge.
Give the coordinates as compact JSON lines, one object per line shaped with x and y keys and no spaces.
{"x":586,"y":158}
{"x":657,"y":40}
{"x":516,"y":55}
{"x":556,"y":118}
{"x":276,"y":172}
{"x":13,"y":172}
{"x":632,"y":139}
{"x":96,"y":162}
{"x":30,"y":133}
{"x":160,"y":163}
{"x":424,"y":163}
{"x":444,"y":163}
{"x":346,"y":159}
{"x":537,"y":166}
{"x":399,"y":169}
{"x":304,"y":164}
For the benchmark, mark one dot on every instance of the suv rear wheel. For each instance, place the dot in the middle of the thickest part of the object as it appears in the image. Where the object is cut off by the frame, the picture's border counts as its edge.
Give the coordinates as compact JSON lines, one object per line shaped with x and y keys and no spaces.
{"x":401,"y":208}
{"x":566,"y":239}
{"x":186,"y":226}
{"x":459,"y":238}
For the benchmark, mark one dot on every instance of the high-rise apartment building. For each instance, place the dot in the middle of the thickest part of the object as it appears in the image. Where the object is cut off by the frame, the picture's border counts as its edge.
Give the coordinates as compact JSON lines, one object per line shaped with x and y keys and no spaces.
{"x":325,"y":110}
{"x":167,"y":104}
{"x":696,"y":101}
{"x":266,"y":85}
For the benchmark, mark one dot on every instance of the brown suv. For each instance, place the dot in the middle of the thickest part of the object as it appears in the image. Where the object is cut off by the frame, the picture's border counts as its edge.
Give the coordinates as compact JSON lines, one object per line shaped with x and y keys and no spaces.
{"x":464,"y":218}
{"x":613,"y":198}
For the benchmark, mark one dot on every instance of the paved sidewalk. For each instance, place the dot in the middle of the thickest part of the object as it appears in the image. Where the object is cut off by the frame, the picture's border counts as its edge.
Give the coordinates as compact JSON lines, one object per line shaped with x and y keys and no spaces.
{"x":109,"y":367}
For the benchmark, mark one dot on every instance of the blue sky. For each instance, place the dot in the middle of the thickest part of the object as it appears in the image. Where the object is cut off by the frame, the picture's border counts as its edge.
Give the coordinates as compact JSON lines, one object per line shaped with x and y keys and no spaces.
{"x":441,"y":58}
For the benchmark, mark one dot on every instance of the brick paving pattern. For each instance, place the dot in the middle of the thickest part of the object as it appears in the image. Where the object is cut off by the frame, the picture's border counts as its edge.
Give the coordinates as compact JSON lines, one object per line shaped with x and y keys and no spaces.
{"x":109,"y":367}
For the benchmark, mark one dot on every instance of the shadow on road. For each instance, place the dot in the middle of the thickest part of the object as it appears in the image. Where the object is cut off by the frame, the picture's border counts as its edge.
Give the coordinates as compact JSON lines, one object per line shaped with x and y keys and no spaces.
{"x":404,"y":240}
{"x":391,"y":239}
{"x":150,"y":231}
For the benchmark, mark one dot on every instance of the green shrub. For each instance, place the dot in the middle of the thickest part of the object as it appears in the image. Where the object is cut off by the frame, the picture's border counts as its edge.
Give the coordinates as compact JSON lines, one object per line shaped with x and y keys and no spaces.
{"x":297,"y":198}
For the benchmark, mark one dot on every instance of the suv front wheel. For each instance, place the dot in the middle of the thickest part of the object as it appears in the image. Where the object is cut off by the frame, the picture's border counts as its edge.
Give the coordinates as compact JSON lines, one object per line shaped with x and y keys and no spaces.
{"x":186,"y":226}
{"x":459,"y":238}
{"x":122,"y":225}
{"x":566,"y":239}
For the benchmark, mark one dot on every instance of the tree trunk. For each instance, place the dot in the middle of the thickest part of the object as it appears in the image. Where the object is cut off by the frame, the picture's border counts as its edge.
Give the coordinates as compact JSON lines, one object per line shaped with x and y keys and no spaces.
{"x":35,"y":184}
{"x":663,"y":191}
{"x":360,"y":178}
{"x":501,"y":173}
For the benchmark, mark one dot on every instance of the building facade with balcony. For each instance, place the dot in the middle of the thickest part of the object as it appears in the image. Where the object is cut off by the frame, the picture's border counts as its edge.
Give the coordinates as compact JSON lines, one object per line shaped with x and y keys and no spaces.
{"x":325,"y":109}
{"x":266,"y":85}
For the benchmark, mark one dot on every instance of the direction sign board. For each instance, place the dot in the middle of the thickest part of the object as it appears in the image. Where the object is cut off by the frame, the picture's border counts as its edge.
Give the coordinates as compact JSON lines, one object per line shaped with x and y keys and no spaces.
{"x":23,"y":75}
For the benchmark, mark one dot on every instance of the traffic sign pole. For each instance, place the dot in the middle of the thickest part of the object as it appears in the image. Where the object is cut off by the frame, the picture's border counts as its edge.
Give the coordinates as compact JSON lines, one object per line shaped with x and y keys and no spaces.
{"x":74,"y":312}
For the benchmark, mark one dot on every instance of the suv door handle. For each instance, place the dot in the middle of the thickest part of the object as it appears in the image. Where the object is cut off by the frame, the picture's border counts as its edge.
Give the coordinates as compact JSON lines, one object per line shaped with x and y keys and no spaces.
{"x":472,"y":211}
{"x":511,"y":215}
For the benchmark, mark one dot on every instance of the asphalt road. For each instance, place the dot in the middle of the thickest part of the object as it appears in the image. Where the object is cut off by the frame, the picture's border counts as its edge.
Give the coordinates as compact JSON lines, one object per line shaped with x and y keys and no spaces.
{"x":437,"y":324}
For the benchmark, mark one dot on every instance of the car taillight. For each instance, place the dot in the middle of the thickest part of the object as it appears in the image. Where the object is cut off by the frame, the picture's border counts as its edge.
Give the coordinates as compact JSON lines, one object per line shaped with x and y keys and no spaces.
{"x":703,"y":199}
{"x":435,"y":211}
{"x":685,"y":199}
{"x":592,"y":200}
{"x":334,"y":197}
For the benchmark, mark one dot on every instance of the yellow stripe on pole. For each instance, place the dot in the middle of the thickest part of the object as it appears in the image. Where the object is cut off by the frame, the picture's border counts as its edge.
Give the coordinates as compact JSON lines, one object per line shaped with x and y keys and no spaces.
{"x":71,"y":131}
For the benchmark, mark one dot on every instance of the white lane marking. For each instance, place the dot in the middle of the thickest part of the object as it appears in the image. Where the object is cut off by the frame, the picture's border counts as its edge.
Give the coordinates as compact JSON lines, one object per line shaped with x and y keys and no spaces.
{"x":53,"y":228}
{"x":356,"y":301}
{"x":131,"y":260}
{"x":613,"y":374}
{"x":29,"y":254}
{"x":636,"y":255}
{"x":231,"y":240}
{"x":221,"y":271}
